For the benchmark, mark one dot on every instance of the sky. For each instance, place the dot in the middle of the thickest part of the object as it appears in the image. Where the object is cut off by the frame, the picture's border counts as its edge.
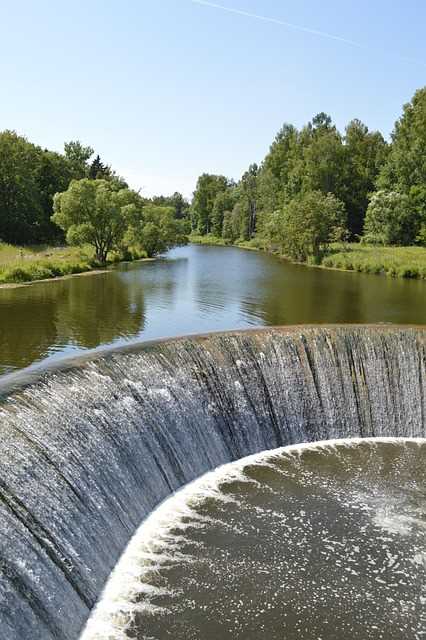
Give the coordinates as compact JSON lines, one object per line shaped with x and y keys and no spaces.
{"x":165,"y":90}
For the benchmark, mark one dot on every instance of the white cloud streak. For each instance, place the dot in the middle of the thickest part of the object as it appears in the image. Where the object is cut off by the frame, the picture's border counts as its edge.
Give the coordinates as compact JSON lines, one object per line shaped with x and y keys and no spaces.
{"x":298,"y":27}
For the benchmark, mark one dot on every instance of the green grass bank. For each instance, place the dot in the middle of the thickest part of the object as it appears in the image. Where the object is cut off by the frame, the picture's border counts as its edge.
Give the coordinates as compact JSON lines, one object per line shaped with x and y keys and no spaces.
{"x":397,"y":262}
{"x":27,"y":264}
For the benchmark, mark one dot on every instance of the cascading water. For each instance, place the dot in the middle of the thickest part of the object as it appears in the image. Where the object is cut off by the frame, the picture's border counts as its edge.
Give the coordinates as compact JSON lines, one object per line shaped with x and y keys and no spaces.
{"x":87,"y":452}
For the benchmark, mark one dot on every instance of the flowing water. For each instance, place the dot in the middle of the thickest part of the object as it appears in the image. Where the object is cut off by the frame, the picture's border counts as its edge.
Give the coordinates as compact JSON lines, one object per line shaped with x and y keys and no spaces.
{"x":87,"y":452}
{"x":321,"y":541}
{"x":195,"y":289}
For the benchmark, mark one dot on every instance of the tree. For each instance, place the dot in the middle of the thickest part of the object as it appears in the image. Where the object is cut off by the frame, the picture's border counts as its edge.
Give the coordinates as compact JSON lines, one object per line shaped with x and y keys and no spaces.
{"x":180,"y":205}
{"x":78,"y":157}
{"x":98,"y":170}
{"x":224,"y":201}
{"x":406,"y":164}
{"x":248,"y":197}
{"x":308,"y":224}
{"x":208,"y":186}
{"x":153,"y":228}
{"x":91,"y":211}
{"x":365,"y":153}
{"x":324,"y":158}
{"x":228,"y":227}
{"x":52,"y":174}
{"x":20,"y":206}
{"x":391,"y":219}
{"x":283,"y":162}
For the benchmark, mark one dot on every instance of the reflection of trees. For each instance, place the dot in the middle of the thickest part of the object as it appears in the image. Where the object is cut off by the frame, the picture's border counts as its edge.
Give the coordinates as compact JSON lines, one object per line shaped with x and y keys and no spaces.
{"x":86,"y":311}
{"x":293,"y":294}
{"x":27,"y":325}
{"x":98,"y":309}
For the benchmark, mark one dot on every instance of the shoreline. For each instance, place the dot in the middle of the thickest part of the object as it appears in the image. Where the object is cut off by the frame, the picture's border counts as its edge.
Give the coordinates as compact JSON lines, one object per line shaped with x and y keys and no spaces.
{"x":88,"y":272}
{"x":407,"y":275}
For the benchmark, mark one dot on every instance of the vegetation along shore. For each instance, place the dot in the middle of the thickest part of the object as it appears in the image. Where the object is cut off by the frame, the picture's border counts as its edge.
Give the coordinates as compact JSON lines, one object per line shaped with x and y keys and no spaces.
{"x":397,"y":262}
{"x":349,"y":201}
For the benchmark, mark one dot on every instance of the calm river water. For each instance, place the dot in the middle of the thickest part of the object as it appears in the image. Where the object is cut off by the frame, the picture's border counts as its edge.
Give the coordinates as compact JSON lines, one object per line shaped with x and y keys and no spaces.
{"x":193,"y":289}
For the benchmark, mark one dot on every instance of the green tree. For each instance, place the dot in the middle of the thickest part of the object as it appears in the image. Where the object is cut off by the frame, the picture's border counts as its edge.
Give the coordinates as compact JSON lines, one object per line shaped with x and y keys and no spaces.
{"x":391,"y":219}
{"x":228,"y":233}
{"x":283,"y":164}
{"x":98,"y":170}
{"x":224,"y":201}
{"x":78,"y":158}
{"x":20,"y":206}
{"x":365,"y":156}
{"x":52,"y":174}
{"x":180,"y":205}
{"x":154,"y":228}
{"x":91,"y":212}
{"x":324,"y":158}
{"x":208,"y":186}
{"x":248,"y":200}
{"x":406,"y":164}
{"x":308,"y":224}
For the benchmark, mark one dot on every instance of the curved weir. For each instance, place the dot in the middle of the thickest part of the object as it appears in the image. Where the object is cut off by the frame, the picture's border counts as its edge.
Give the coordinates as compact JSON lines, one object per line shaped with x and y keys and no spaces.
{"x":87,"y":452}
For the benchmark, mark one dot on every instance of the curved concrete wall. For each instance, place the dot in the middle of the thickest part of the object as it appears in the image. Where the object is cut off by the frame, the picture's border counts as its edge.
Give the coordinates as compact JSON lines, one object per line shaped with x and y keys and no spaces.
{"x":87,"y":452}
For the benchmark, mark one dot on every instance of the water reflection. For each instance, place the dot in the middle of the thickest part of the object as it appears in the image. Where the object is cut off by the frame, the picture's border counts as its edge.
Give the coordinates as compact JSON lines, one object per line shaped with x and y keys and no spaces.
{"x":195,"y":289}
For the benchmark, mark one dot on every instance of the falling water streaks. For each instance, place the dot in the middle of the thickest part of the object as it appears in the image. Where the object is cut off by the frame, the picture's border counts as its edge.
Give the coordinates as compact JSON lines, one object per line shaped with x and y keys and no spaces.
{"x":88,"y":452}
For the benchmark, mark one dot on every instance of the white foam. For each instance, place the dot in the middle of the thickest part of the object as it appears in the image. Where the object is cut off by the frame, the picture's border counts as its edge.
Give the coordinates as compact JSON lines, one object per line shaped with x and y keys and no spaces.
{"x":153,"y":543}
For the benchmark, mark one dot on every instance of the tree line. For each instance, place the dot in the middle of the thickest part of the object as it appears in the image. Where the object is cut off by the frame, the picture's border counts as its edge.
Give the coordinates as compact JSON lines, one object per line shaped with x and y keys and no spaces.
{"x":317,"y":185}
{"x":48,"y":197}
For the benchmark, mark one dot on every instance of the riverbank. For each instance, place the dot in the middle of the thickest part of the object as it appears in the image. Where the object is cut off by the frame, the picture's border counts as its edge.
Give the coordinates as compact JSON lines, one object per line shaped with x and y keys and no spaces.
{"x":23,"y":265}
{"x":397,"y":262}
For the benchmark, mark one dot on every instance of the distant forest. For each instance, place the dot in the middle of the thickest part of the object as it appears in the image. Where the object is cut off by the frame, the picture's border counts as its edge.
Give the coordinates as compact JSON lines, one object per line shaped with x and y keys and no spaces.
{"x":318,"y":185}
{"x":315,"y":186}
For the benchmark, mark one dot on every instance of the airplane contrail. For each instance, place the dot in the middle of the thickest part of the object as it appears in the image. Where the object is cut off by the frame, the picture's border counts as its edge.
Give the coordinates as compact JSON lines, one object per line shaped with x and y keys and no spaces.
{"x":297,"y":27}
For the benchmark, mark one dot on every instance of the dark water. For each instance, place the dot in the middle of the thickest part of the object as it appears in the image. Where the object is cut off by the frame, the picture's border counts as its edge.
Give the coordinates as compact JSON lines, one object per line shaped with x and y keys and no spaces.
{"x":195,"y":289}
{"x":308,"y":543}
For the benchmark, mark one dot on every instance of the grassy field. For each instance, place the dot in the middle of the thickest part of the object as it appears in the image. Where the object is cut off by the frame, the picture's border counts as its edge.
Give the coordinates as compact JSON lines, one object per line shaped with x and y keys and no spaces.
{"x":26,"y":264}
{"x":397,"y":262}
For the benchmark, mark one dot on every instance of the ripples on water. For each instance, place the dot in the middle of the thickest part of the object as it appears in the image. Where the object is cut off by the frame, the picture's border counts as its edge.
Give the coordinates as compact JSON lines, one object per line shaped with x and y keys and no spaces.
{"x":318,"y":542}
{"x":195,"y":289}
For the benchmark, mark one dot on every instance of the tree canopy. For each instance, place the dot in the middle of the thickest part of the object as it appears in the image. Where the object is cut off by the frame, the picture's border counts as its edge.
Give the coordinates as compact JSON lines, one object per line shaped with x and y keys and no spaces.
{"x":378,"y":188}
{"x":107,"y":217}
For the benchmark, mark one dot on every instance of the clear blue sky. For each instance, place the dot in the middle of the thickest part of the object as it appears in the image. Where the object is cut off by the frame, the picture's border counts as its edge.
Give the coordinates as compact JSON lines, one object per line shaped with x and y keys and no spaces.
{"x":167,"y":89}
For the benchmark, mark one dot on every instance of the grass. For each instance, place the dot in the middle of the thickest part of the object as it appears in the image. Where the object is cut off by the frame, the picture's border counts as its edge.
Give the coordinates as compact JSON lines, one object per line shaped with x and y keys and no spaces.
{"x":26,"y":264}
{"x":209,"y":239}
{"x":397,"y":262}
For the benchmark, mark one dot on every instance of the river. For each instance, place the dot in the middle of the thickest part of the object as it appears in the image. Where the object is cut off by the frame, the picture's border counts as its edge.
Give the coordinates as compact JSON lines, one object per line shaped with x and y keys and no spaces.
{"x":192,"y":289}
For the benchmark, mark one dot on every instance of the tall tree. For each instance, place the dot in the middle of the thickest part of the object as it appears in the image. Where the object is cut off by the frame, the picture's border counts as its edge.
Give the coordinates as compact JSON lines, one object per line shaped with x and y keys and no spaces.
{"x":406,"y":164}
{"x":248,"y":199}
{"x":365,"y":156}
{"x":224,"y":201}
{"x":324,"y":158}
{"x":208,"y":186}
{"x":52,"y":174}
{"x":20,"y":205}
{"x":98,"y":170}
{"x":391,"y":219}
{"x":91,"y":212}
{"x":309,"y":223}
{"x":78,"y":157}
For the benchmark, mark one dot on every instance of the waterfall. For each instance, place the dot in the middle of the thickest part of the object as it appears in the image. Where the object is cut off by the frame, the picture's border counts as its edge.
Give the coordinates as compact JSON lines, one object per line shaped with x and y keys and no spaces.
{"x":87,"y":451}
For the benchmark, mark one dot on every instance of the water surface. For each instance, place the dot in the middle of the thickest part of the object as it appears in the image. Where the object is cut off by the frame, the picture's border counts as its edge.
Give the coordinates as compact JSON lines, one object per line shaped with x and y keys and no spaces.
{"x":193,"y":289}
{"x":319,"y":542}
